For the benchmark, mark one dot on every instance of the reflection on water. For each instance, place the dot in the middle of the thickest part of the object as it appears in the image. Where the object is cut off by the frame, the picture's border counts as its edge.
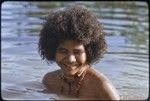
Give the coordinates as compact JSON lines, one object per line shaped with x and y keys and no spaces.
{"x":125,"y":64}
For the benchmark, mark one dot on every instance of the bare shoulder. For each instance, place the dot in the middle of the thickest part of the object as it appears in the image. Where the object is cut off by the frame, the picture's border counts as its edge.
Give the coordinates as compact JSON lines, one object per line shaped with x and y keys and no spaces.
{"x":51,"y":78}
{"x":103,"y":87}
{"x":98,"y":76}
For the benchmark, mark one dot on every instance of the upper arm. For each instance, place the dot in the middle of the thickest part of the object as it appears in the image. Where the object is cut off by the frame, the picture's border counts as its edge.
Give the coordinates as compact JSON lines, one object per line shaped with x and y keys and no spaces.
{"x":105,"y":89}
{"x":109,"y":92}
{"x":47,"y":80}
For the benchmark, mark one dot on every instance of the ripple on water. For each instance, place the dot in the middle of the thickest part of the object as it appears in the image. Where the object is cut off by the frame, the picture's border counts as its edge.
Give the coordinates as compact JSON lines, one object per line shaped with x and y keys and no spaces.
{"x":124,"y":64}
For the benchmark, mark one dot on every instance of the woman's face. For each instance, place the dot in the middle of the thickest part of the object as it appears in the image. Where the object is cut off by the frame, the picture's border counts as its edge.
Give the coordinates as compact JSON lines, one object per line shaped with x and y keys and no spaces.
{"x":71,"y":57}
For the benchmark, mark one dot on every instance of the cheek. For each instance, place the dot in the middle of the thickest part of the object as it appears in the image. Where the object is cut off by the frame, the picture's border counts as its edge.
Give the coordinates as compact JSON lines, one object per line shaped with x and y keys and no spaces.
{"x":58,"y":58}
{"x":82,"y":59}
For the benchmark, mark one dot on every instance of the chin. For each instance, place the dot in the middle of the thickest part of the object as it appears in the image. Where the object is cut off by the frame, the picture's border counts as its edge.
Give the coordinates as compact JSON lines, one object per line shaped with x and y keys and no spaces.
{"x":70,"y":74}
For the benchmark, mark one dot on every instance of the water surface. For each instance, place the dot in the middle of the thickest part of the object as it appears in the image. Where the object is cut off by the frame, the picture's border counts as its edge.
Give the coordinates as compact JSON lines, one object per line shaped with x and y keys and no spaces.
{"x":125,"y":64}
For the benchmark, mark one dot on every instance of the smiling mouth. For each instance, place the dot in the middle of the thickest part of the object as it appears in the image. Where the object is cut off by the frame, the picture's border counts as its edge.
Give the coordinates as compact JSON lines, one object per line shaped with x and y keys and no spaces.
{"x":69,"y":67}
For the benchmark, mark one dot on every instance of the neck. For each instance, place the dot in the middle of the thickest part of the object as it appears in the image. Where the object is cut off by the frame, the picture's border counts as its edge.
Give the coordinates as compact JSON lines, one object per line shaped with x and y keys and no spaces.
{"x":69,"y":77}
{"x":74,"y":81}
{"x":78,"y":75}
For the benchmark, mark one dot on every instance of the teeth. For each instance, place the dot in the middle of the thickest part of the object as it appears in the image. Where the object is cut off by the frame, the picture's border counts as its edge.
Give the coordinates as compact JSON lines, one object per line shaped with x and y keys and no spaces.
{"x":69,"y":66}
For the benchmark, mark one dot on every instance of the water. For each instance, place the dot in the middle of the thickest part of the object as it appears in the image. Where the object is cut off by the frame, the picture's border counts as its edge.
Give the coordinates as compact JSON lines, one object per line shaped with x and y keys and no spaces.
{"x":125,"y":64}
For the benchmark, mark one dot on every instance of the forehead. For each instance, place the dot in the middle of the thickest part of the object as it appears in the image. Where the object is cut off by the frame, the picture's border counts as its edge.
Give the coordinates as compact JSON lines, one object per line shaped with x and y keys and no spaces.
{"x":71,"y":44}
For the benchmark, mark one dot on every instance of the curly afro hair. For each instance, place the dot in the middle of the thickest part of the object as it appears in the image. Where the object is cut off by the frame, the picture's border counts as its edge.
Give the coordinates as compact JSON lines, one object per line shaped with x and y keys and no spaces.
{"x":72,"y":23}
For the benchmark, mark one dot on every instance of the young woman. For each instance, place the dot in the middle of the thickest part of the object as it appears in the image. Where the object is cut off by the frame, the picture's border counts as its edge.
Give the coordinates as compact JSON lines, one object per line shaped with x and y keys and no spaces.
{"x":74,"y":39}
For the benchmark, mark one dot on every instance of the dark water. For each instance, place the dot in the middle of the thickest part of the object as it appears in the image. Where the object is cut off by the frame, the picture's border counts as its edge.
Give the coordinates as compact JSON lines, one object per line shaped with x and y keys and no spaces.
{"x":125,"y":64}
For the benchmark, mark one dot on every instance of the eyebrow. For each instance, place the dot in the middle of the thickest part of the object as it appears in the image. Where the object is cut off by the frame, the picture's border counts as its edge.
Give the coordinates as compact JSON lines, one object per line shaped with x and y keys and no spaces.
{"x":78,"y":50}
{"x":62,"y":48}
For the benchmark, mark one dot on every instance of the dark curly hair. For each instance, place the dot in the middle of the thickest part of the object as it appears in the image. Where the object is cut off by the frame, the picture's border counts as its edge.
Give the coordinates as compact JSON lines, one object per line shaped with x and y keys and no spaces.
{"x":76,"y":23}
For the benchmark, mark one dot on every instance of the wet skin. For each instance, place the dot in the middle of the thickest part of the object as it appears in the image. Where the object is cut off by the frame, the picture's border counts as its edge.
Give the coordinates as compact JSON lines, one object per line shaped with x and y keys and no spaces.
{"x":71,"y":58}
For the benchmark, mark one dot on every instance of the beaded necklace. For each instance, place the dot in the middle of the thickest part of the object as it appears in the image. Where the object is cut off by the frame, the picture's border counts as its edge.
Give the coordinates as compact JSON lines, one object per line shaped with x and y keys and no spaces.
{"x":75,"y":81}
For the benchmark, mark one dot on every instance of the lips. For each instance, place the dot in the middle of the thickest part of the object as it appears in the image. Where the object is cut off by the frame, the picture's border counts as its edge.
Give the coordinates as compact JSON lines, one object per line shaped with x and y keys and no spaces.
{"x":69,"y":67}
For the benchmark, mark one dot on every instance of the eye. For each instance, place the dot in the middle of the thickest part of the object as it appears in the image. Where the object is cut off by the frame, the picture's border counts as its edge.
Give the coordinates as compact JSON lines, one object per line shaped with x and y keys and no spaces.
{"x":78,"y":52}
{"x":62,"y":50}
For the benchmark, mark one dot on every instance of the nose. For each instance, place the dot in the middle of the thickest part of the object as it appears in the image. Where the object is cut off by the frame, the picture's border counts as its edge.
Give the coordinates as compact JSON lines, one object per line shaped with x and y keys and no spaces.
{"x":71,"y":59}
